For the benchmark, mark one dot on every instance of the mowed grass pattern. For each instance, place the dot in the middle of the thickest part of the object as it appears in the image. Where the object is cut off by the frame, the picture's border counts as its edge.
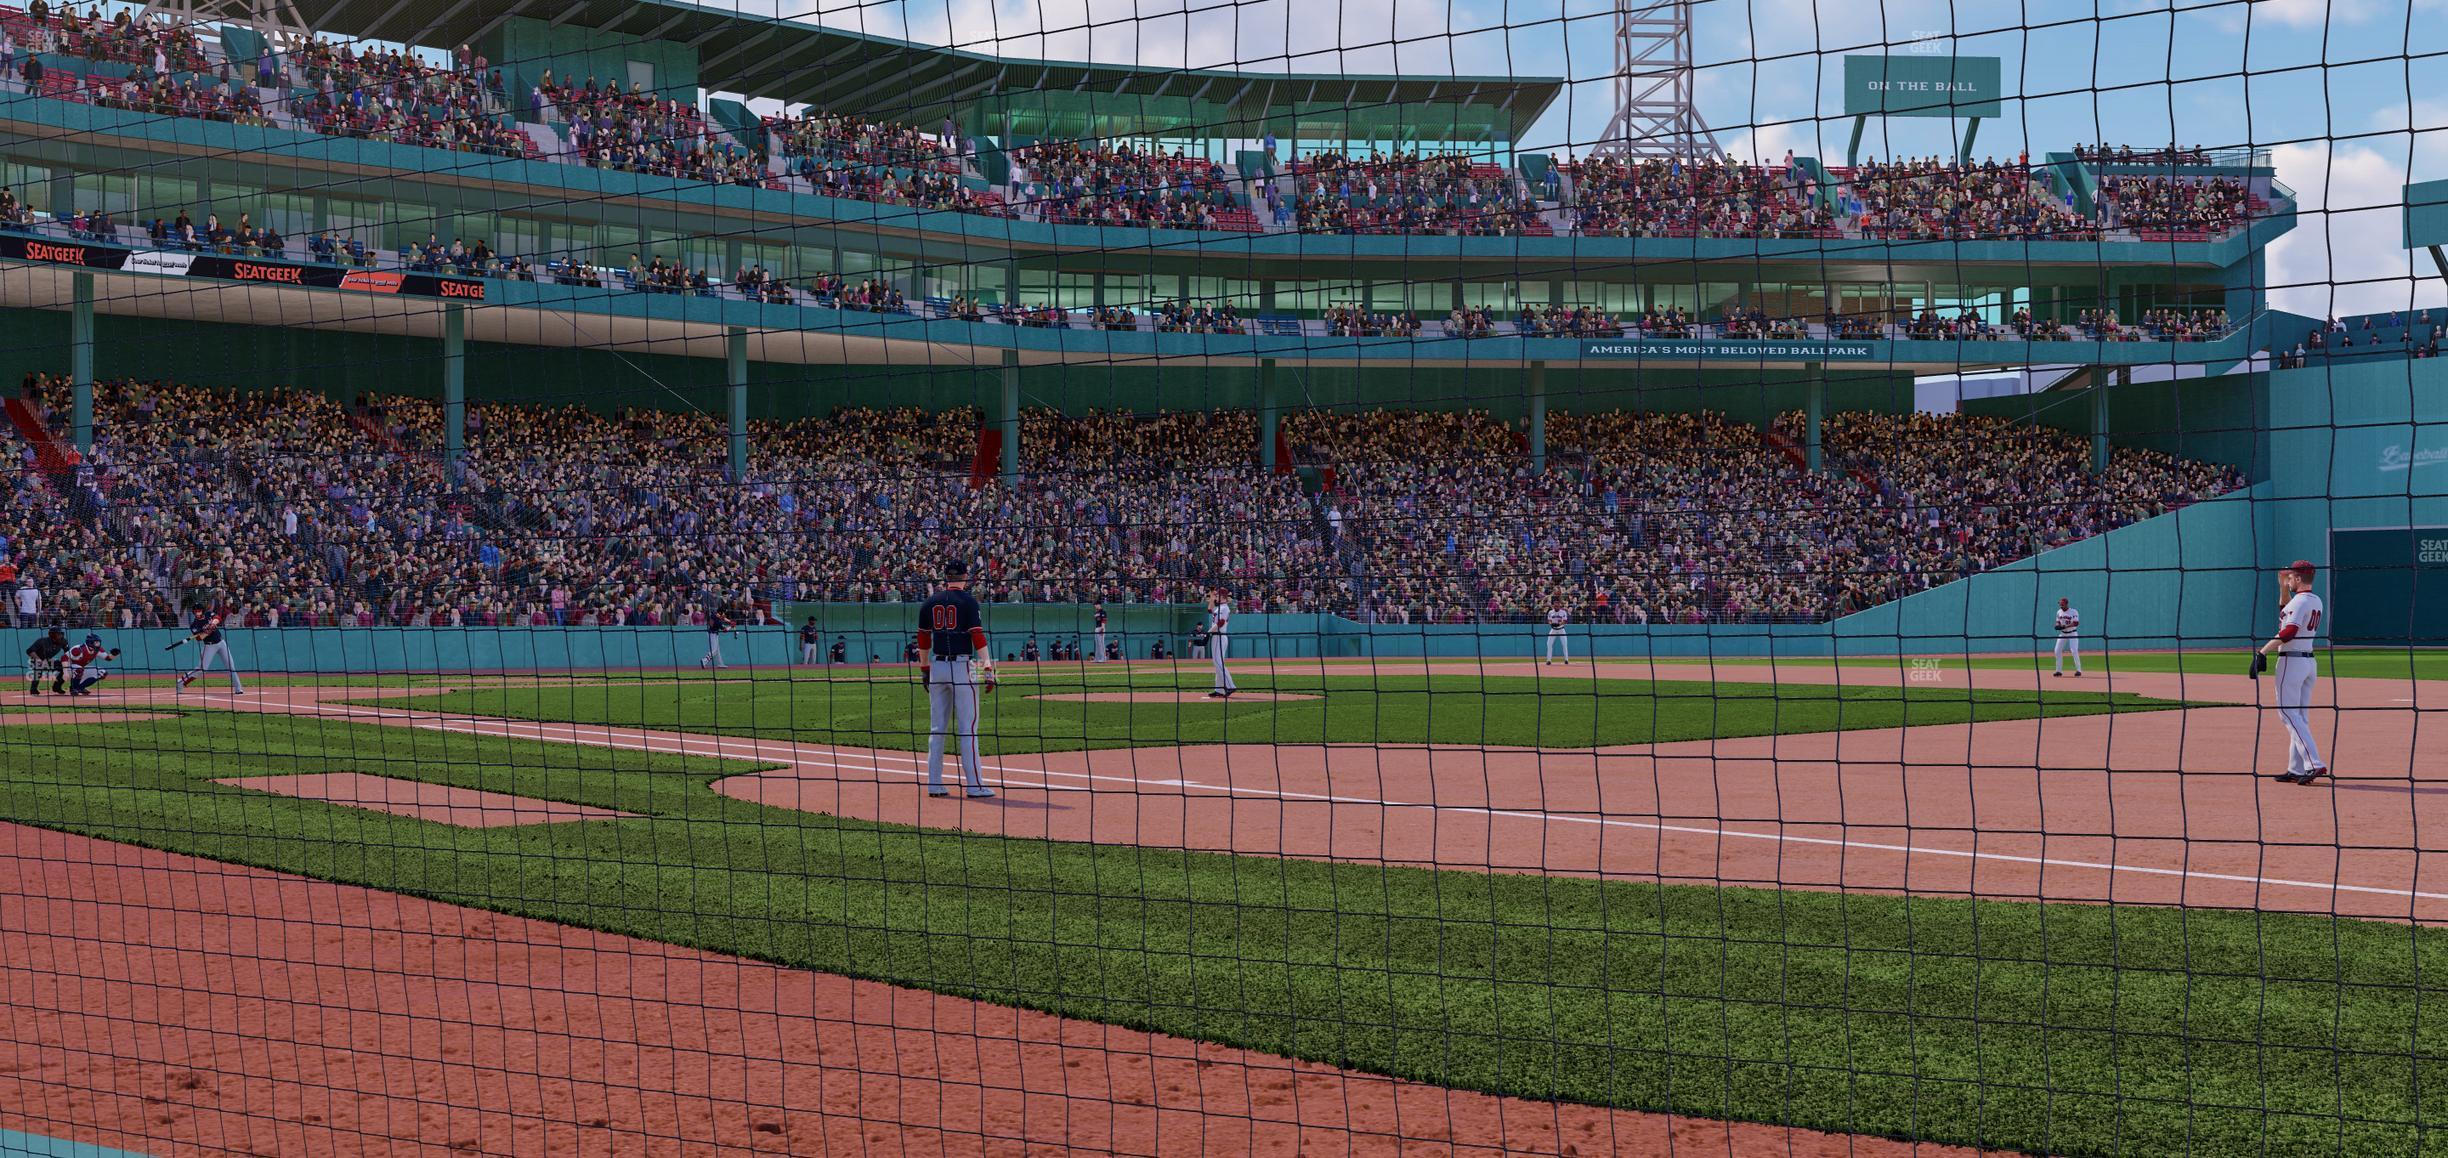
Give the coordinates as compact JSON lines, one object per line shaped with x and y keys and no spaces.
{"x":888,"y":709}
{"x":2073,"y":1029}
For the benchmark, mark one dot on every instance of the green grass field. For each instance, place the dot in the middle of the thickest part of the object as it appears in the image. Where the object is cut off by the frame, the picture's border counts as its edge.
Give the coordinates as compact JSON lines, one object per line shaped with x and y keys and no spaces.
{"x":2351,"y":663}
{"x":2072,"y":1029}
{"x":889,"y":710}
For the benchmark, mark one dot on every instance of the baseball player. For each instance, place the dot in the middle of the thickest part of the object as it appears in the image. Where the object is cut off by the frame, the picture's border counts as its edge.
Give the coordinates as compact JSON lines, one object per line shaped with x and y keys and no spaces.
{"x":1219,"y":643}
{"x":2069,"y":638}
{"x":1100,"y":633}
{"x":958,"y":665}
{"x":811,"y":642}
{"x":43,"y":658}
{"x":205,"y":630}
{"x":84,"y":664}
{"x":716,"y":624}
{"x":1557,"y":641}
{"x":2299,"y":622}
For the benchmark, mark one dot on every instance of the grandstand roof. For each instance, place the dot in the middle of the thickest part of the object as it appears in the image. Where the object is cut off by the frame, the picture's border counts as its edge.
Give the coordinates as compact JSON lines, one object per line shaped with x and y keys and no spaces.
{"x":850,"y":72}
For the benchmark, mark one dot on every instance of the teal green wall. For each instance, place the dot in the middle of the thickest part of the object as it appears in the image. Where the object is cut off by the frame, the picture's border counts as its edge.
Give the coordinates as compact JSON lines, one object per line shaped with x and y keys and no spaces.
{"x":2426,"y":214}
{"x":2189,"y":579}
{"x":2339,"y":434}
{"x":524,"y":48}
{"x":2221,"y":419}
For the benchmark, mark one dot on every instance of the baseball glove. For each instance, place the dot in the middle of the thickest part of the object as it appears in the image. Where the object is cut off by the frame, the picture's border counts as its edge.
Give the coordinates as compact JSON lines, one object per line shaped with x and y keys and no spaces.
{"x":2260,"y":663}
{"x":982,"y":673}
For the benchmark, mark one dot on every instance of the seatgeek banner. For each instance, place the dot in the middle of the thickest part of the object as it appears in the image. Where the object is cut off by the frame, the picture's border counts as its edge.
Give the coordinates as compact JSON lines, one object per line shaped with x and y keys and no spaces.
{"x":163,"y":263}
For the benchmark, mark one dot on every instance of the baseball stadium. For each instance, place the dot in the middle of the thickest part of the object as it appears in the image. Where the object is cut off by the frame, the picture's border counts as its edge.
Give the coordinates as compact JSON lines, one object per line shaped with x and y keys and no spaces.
{"x":1673,"y":576}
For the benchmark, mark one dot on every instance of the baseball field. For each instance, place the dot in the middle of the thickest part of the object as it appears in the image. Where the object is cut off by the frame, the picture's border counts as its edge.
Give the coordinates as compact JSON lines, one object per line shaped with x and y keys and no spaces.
{"x":1953,"y":903}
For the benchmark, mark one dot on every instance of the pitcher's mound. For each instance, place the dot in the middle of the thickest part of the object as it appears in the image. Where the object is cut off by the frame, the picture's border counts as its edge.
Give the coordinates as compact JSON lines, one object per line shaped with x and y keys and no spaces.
{"x":1152,"y":696}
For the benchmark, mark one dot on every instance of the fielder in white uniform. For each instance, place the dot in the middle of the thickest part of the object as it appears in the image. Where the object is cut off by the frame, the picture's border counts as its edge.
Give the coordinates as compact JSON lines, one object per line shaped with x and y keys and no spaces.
{"x":1219,"y":643}
{"x":1556,"y":639}
{"x":2069,"y":638}
{"x":2299,"y":624}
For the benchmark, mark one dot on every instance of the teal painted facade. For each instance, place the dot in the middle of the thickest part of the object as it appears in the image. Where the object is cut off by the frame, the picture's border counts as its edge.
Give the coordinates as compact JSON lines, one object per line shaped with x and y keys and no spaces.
{"x":525,"y":48}
{"x":367,"y":168}
{"x":987,"y":340}
{"x":2426,"y":214}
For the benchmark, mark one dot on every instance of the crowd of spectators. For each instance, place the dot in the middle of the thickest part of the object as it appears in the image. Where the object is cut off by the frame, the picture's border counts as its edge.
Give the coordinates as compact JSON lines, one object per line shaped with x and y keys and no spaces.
{"x":124,"y":37}
{"x":457,"y":101}
{"x":1563,"y":322}
{"x":1933,"y":198}
{"x":1447,"y":194}
{"x":1116,"y":184}
{"x":2415,"y":335}
{"x":1691,"y":518}
{"x":292,"y":507}
{"x":1699,"y":197}
{"x":1970,"y":493}
{"x":1197,"y":318}
{"x":2178,"y":207}
{"x":1470,"y":322}
{"x":1352,"y":322}
{"x":2126,"y":155}
{"x":395,"y":95}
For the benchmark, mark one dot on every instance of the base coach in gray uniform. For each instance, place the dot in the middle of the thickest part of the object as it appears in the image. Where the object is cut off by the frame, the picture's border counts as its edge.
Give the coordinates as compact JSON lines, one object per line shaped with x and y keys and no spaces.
{"x":957,"y":667}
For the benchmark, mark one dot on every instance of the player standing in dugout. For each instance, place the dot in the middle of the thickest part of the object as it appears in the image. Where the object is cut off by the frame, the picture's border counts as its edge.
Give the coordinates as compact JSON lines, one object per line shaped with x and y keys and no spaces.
{"x":956,"y":665}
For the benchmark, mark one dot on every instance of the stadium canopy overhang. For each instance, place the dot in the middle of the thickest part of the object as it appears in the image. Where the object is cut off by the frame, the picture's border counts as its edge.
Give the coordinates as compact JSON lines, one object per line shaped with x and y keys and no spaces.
{"x":841,"y":71}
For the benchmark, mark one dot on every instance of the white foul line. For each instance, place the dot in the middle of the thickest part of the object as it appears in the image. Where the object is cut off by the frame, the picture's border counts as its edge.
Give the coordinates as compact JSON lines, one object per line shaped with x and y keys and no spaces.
{"x":875,"y":758}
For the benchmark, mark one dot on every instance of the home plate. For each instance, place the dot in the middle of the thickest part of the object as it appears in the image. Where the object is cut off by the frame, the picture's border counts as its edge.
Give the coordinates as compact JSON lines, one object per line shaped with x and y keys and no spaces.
{"x":440,"y":803}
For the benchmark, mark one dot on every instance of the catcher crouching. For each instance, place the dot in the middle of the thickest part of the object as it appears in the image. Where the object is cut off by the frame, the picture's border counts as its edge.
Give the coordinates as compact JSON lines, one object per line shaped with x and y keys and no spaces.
{"x":84,"y":665}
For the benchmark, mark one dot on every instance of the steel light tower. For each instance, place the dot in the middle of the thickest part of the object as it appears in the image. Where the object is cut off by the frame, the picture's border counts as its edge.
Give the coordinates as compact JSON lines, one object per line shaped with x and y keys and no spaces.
{"x":1654,"y":113}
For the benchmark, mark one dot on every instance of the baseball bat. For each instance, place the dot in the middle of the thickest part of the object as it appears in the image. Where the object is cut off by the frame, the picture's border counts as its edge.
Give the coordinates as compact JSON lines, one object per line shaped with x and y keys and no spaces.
{"x":175,"y":645}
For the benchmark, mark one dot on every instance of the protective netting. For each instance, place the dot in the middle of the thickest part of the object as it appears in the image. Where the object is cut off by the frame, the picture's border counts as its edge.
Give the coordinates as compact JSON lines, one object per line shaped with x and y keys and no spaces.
{"x":612,"y":578}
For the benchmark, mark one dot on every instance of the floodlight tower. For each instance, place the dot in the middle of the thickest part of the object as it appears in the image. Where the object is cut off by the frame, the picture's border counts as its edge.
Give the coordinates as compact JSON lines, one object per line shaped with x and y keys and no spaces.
{"x":1654,"y":112}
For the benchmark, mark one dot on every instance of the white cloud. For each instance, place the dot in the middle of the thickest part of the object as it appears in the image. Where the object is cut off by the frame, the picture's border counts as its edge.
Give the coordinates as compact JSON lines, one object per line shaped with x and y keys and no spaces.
{"x":2344,"y":255}
{"x":2307,"y":13}
{"x":2420,"y":132}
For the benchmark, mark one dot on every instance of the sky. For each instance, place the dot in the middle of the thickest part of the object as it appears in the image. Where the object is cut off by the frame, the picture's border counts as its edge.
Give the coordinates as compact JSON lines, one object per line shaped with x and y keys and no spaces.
{"x":2328,"y":86}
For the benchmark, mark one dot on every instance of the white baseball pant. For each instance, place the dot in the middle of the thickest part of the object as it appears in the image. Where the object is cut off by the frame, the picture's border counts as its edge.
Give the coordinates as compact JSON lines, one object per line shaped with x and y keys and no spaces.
{"x":219,"y":651}
{"x":952,"y":704}
{"x":1219,"y":647}
{"x":2071,"y":645}
{"x":1558,"y":641}
{"x":2296,"y":675}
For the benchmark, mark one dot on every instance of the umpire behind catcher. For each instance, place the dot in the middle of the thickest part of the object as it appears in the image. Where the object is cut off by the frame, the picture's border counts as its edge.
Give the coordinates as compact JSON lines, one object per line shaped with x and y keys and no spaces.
{"x":958,"y":665}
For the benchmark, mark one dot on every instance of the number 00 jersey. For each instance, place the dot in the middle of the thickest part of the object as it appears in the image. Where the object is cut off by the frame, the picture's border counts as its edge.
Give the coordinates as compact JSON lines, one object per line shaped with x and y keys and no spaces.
{"x":950,"y":625}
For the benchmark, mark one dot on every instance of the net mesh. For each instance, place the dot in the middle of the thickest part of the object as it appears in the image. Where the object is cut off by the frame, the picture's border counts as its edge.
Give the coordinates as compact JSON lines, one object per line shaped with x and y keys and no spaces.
{"x":1637,"y":578}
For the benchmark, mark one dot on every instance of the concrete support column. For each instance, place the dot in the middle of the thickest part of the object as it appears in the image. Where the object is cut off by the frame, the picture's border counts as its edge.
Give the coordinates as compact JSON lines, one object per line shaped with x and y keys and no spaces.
{"x":454,"y":390}
{"x":1814,"y":414}
{"x":80,"y":359}
{"x":1008,"y":416}
{"x":2099,"y":419}
{"x":735,"y":356}
{"x":1268,"y":417}
{"x":1538,"y":417}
